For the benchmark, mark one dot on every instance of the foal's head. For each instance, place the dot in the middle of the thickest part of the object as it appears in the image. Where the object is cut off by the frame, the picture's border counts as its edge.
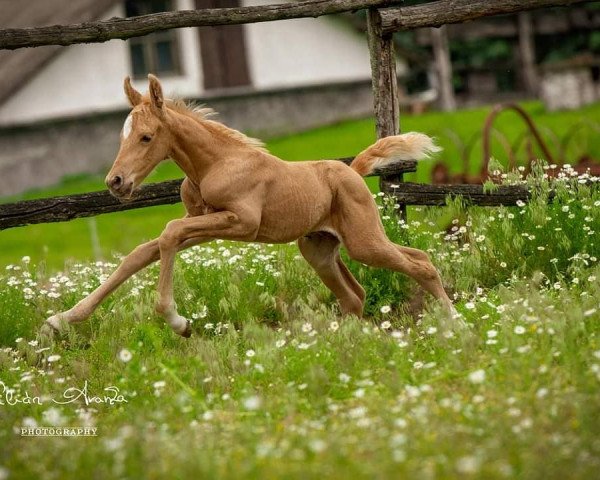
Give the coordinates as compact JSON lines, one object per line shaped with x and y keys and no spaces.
{"x":145,"y":140}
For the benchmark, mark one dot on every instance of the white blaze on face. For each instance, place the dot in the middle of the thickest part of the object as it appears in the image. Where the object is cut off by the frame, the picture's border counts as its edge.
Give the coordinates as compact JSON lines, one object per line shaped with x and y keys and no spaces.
{"x":127,"y":126}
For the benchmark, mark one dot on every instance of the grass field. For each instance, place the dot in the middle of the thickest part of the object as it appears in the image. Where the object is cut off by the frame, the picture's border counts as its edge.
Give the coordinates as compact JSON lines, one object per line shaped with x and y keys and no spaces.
{"x":53,"y":244}
{"x":273,"y":384}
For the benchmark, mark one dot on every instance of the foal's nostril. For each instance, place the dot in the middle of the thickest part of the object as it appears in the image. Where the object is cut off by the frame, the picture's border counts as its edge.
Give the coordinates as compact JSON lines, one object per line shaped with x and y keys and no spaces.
{"x":115,"y":183}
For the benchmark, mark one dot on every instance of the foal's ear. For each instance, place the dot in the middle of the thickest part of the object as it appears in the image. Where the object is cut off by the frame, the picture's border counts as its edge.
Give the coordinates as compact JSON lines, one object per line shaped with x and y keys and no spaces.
{"x":156,"y":94}
{"x":134,"y":97}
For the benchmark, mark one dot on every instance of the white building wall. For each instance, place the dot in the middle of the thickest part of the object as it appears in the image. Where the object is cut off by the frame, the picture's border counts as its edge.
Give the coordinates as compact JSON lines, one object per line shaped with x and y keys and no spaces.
{"x":305,"y":51}
{"x":85,"y":79}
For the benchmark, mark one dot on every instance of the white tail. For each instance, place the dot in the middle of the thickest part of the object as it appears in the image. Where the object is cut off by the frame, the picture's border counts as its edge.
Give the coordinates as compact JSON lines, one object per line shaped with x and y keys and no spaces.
{"x":386,"y":151}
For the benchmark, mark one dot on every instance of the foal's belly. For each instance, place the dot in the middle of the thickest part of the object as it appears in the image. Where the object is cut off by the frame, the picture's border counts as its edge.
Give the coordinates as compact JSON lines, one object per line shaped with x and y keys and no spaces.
{"x":294,"y":212}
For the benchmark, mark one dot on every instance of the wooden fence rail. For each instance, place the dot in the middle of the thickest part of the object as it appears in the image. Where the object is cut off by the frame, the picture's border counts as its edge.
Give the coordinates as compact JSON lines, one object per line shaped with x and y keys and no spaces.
{"x":443,"y":12}
{"x":407,"y":193}
{"x":123,"y":28}
{"x":431,"y":14}
{"x":61,"y":209}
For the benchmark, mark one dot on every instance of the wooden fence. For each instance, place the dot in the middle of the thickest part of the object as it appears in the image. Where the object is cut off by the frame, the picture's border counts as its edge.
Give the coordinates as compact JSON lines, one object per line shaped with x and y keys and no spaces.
{"x":383,"y":20}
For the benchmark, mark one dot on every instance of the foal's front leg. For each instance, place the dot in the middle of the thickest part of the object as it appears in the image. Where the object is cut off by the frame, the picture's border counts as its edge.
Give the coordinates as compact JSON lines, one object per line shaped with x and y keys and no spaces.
{"x":142,"y":256}
{"x":139,"y":258}
{"x":224,"y":225}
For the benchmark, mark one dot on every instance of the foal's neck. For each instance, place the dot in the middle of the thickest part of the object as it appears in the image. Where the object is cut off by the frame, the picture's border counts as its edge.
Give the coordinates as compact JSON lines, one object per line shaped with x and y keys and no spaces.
{"x":193,"y":148}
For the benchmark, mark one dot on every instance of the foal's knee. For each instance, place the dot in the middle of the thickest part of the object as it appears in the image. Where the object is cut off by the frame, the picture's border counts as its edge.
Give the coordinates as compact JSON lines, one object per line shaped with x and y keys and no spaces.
{"x":169,"y":238}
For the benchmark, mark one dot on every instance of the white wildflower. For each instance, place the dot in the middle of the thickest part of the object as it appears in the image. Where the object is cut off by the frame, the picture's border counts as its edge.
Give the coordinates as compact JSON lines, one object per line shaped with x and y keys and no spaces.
{"x":317,"y":445}
{"x":519,"y":330}
{"x":252,"y":403}
{"x":467,"y":465}
{"x":541,"y":393}
{"x":307,"y":327}
{"x":54,"y":417}
{"x":125,"y":355}
{"x":477,"y":376}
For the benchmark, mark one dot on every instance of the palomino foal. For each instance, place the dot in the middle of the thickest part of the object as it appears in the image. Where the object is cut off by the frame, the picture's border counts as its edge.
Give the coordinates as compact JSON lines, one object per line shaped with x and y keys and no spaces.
{"x":235,"y":190}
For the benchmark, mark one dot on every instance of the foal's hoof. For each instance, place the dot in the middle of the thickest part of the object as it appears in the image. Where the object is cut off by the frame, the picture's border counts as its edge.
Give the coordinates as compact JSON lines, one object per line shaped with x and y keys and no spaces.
{"x":54,"y":324}
{"x":46,"y":335}
{"x":187,"y":333}
{"x":48,"y":330}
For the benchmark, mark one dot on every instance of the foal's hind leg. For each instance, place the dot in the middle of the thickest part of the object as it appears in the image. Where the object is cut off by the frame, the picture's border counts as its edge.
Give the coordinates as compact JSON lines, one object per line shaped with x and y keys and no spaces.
{"x":382,"y":253}
{"x":429,"y":279}
{"x":352,"y":282}
{"x":321,"y":251}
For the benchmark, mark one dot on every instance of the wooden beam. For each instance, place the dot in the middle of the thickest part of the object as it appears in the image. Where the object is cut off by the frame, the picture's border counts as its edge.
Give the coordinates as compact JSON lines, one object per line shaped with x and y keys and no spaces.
{"x":443,"y":12}
{"x":436,"y":195}
{"x":61,"y":209}
{"x":443,"y":67}
{"x":527,"y":52}
{"x":545,"y":22}
{"x":123,"y":28}
{"x":383,"y":77}
{"x":385,"y":88}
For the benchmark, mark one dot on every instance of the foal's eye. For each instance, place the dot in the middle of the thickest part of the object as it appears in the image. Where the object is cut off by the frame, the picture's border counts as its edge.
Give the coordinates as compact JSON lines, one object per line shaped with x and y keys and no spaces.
{"x":146,"y":138}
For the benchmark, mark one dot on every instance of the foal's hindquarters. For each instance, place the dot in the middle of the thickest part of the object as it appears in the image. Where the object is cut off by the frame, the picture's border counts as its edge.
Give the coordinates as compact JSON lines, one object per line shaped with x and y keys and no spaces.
{"x":354,"y":221}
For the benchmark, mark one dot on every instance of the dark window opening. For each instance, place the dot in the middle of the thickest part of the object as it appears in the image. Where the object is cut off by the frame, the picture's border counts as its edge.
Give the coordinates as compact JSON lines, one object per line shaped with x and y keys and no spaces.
{"x":223,"y":50}
{"x":156,"y":52}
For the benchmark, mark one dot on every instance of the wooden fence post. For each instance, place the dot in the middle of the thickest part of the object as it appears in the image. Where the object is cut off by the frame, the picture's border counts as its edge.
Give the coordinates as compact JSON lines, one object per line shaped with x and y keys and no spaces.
{"x":385,"y":88}
{"x":443,"y":67}
{"x":527,"y":52}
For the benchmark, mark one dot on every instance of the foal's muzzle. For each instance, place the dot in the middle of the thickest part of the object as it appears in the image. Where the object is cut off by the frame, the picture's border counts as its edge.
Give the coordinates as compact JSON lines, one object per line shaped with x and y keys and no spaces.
{"x":119,"y":187}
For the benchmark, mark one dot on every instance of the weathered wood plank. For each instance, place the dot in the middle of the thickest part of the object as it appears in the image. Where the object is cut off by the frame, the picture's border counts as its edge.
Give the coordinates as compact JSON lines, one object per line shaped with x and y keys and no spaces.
{"x":527,"y":52}
{"x":435,"y":195}
{"x":123,"y":28}
{"x":443,"y":67}
{"x":443,"y":12}
{"x":61,"y":209}
{"x":384,"y":80}
{"x":383,"y":77}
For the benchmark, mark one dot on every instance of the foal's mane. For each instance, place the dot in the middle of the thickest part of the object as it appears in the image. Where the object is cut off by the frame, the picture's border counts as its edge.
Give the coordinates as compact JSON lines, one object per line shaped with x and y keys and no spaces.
{"x":203,"y":114}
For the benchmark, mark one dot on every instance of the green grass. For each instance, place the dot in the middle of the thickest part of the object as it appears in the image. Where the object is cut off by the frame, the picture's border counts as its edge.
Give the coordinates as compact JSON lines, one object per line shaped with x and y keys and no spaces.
{"x":273,"y":384}
{"x":55,"y":243}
